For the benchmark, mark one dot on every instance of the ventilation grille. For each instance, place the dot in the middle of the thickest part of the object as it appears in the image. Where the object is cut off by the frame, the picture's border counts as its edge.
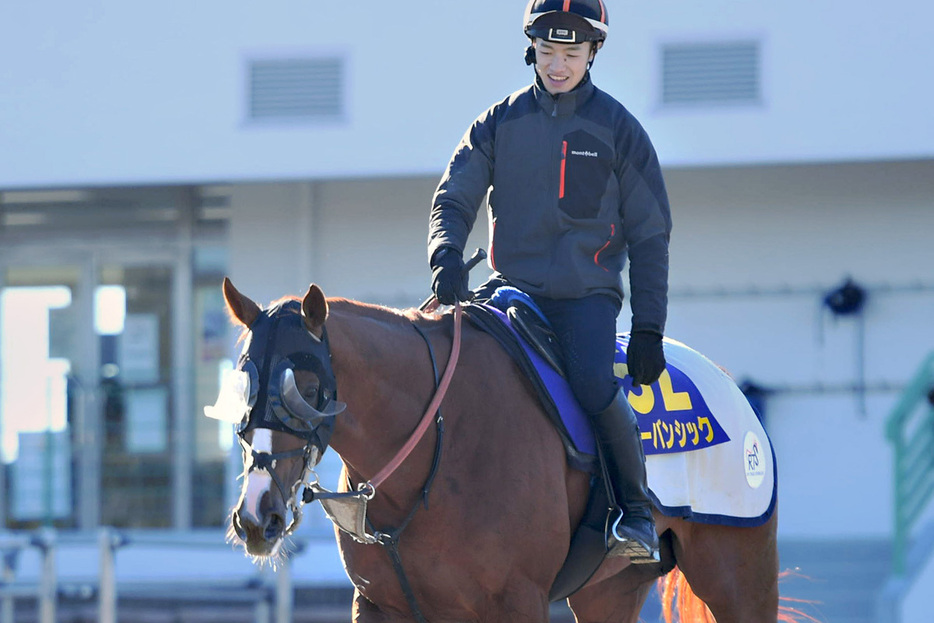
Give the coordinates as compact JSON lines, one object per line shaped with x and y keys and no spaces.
{"x":711,"y":73}
{"x":297,"y":89}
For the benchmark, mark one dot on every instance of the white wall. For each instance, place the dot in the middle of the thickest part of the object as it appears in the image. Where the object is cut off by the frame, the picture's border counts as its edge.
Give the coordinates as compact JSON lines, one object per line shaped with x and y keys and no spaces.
{"x":271,"y":239}
{"x":107,"y":92}
{"x":360,"y":239}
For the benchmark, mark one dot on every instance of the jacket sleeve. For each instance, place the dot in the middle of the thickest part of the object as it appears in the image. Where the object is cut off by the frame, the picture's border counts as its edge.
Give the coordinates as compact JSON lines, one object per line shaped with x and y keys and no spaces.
{"x":646,"y":218}
{"x":462,"y":188}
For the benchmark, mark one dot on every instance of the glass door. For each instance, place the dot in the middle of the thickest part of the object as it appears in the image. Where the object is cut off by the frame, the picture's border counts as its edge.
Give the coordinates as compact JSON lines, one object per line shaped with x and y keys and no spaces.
{"x":44,"y":395}
{"x":113,"y":335}
{"x":135,"y":329}
{"x":87,"y":394}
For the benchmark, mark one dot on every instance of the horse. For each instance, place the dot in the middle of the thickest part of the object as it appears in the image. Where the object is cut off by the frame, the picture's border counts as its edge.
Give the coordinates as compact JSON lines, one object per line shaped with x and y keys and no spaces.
{"x":463,"y":480}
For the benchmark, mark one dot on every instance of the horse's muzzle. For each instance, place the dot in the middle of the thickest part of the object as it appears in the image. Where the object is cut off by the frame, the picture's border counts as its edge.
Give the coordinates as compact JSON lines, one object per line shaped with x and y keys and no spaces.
{"x":261,"y":532}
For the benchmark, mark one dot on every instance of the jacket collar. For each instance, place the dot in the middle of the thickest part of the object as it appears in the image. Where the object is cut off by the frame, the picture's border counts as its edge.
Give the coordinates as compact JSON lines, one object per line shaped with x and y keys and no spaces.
{"x":563,"y":104}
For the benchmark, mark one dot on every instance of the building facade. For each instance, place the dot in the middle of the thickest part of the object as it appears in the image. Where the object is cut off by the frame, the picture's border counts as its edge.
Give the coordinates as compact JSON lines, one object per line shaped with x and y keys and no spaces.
{"x":146,"y":152}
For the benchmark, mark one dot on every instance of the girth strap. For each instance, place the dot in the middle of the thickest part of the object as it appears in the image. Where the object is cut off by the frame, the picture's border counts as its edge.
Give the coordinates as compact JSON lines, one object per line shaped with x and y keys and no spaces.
{"x":391,"y":543}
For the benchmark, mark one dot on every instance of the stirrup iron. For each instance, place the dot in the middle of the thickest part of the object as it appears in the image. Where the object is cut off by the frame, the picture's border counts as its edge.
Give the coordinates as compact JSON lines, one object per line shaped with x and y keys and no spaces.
{"x":624,"y":546}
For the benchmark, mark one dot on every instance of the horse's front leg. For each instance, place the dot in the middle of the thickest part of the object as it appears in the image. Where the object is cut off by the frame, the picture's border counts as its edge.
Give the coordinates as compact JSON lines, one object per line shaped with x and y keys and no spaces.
{"x":511,"y":607}
{"x":617,"y":599}
{"x":365,"y":611}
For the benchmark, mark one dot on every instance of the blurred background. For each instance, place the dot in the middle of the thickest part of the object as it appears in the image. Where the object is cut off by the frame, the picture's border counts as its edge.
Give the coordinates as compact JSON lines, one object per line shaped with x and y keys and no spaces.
{"x":146,"y":151}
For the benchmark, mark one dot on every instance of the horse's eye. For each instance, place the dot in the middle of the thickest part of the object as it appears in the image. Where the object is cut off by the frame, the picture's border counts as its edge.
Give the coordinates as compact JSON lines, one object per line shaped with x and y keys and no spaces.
{"x":311,"y":394}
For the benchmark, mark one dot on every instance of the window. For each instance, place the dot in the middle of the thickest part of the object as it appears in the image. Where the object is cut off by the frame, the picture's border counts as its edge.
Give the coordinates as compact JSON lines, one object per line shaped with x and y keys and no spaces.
{"x":711,"y":73}
{"x":296,"y":89}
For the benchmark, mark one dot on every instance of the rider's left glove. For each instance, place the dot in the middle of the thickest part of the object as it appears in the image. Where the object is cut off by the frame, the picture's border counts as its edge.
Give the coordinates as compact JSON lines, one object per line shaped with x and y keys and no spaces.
{"x":645,"y":357}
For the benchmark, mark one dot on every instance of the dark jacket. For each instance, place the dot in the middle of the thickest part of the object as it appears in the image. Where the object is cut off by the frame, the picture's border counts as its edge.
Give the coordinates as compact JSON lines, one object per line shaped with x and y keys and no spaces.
{"x":575,"y":183}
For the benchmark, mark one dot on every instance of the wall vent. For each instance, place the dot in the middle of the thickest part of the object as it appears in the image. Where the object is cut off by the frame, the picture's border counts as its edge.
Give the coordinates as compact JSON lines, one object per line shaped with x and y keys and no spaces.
{"x":296,"y":89}
{"x":711,"y":73}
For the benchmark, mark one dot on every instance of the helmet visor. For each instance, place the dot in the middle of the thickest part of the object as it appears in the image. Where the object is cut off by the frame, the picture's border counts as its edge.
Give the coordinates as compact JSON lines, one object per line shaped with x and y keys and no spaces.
{"x":562,"y":27}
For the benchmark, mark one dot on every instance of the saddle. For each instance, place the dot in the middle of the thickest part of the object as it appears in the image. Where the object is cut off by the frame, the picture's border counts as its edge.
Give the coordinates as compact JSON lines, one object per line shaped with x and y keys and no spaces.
{"x":530,"y":324}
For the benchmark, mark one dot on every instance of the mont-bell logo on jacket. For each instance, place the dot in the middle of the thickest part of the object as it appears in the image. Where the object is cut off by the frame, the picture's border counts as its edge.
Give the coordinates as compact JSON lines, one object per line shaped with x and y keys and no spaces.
{"x":585,"y":152}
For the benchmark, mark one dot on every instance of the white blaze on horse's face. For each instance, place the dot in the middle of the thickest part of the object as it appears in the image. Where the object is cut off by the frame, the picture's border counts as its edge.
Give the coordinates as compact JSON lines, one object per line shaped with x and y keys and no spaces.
{"x":258,"y":481}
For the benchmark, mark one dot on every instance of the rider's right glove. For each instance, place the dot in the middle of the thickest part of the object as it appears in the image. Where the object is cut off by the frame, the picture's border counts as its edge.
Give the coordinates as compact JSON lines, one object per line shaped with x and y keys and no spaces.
{"x":448,"y":277}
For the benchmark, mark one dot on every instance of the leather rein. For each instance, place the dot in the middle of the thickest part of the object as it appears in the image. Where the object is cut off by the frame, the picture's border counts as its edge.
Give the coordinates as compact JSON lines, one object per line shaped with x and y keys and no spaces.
{"x":433,"y":406}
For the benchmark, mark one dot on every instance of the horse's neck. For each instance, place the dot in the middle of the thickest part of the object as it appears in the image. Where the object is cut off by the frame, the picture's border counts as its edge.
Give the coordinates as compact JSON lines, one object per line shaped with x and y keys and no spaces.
{"x":384,"y":375}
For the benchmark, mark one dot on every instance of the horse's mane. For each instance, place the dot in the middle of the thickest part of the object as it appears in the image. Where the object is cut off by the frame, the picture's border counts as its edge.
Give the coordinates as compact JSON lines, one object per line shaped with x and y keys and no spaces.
{"x":382,"y":313}
{"x":390,"y":315}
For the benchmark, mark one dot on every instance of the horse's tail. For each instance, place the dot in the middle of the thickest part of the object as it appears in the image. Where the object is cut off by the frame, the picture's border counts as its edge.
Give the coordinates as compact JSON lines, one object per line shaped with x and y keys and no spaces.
{"x":678,"y":599}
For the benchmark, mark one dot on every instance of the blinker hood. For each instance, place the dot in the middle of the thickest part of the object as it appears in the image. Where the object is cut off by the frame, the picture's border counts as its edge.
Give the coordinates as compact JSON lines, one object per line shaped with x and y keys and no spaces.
{"x":278,"y":345}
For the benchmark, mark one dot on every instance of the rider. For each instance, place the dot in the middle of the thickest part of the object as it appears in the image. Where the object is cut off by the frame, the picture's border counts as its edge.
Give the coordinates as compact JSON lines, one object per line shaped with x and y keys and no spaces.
{"x":575,"y":184}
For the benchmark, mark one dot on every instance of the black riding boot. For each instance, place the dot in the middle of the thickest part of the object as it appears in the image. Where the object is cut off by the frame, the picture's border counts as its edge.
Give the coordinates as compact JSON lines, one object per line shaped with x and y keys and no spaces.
{"x":617,"y":432}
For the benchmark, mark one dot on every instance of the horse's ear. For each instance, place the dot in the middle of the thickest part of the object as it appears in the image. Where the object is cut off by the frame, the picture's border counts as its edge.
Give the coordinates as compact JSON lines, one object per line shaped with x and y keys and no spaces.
{"x":315,"y":310}
{"x":240,"y":307}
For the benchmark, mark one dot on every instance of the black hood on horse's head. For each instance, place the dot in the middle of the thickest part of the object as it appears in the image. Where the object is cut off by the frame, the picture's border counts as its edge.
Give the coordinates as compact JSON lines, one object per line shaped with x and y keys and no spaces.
{"x":278,"y":341}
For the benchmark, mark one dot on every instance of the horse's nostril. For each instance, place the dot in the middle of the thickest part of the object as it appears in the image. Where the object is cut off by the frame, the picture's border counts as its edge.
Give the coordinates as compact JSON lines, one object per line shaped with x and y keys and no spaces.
{"x":274,"y":527}
{"x":238,"y":528}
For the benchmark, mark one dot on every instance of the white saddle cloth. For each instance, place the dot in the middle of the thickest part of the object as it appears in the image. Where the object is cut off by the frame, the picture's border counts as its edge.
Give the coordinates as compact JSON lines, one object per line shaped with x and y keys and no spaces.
{"x":730,"y":482}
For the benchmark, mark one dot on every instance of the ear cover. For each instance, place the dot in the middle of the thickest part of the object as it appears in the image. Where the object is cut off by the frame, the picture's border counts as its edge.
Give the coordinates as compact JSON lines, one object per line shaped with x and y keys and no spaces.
{"x":530,"y":55}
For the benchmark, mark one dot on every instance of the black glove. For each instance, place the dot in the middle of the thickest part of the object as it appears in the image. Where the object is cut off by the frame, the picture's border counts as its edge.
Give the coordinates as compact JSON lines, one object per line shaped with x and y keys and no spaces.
{"x":645,"y":357}
{"x":448,"y":277}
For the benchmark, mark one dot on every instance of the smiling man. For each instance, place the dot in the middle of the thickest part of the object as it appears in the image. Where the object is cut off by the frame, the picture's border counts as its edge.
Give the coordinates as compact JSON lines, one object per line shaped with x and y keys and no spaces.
{"x":576,"y":189}
{"x":562,"y":66}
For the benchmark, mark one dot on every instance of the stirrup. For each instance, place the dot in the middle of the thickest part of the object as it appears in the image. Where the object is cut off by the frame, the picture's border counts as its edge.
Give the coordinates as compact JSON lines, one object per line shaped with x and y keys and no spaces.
{"x":621,"y":545}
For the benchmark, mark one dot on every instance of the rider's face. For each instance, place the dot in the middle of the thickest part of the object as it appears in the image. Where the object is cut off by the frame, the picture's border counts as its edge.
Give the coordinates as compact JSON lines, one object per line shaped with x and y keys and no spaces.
{"x":561,"y":66}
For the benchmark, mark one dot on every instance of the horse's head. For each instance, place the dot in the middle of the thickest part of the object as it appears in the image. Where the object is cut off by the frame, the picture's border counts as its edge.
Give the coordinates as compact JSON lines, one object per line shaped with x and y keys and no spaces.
{"x":282,"y":396}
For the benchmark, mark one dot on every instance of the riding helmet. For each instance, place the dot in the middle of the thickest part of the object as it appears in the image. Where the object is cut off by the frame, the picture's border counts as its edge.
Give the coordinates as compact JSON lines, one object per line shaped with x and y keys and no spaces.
{"x":566,"y":21}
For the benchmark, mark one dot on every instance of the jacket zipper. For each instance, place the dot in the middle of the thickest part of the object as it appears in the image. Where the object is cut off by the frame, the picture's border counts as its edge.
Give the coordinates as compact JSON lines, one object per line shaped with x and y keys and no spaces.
{"x":596,"y":256}
{"x":564,"y":162}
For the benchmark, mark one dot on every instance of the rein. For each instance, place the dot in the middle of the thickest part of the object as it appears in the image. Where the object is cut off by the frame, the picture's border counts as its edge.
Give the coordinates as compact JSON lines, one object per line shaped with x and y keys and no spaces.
{"x":433,"y":406}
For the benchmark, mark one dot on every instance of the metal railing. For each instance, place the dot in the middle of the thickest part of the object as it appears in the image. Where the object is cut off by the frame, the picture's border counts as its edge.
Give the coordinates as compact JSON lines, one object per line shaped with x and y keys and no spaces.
{"x":45,"y":591}
{"x":910,"y":428}
{"x":269,"y":595}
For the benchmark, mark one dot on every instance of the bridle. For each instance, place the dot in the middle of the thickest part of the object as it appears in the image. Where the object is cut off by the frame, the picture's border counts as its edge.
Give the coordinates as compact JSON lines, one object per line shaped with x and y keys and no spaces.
{"x":277,"y":392}
{"x":277,"y":345}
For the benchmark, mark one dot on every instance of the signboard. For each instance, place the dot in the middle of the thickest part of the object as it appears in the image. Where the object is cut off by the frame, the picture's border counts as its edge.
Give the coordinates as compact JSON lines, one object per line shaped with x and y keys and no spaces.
{"x":146,"y":429}
{"x":63,"y":327}
{"x":139,"y":349}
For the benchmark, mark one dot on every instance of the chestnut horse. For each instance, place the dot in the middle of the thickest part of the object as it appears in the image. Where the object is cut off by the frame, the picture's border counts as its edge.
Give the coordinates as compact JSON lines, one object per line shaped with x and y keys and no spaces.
{"x":480,"y":514}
